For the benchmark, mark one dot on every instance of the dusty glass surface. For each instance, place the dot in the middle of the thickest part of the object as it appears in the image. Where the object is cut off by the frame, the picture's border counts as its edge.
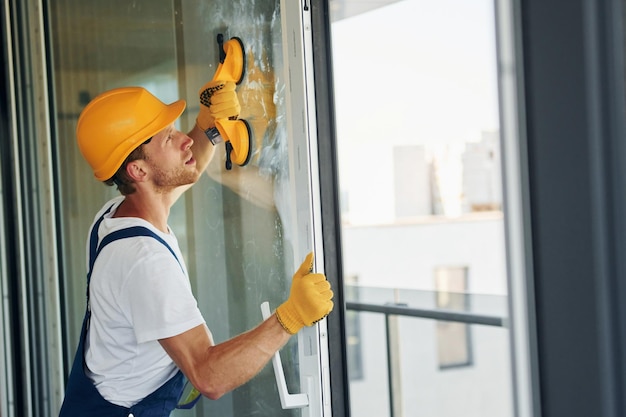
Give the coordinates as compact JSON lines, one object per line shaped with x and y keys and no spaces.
{"x":231,"y":225}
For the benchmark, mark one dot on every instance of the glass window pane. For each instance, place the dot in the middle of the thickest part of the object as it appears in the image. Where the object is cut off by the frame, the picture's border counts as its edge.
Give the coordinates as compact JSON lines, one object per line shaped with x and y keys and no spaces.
{"x":415,"y":88}
{"x":233,"y":226}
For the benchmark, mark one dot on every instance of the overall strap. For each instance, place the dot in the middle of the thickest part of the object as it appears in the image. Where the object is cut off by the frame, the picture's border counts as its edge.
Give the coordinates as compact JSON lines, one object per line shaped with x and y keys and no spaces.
{"x":133,"y":231}
{"x":93,"y":244}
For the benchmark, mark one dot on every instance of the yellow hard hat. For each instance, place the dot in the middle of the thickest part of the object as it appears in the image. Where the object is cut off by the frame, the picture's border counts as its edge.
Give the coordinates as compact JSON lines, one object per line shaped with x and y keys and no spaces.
{"x":116,"y":122}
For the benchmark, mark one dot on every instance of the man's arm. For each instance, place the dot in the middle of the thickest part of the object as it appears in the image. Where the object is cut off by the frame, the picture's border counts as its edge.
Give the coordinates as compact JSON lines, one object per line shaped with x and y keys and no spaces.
{"x":218,"y":100}
{"x":202,"y":148}
{"x":215,"y":370}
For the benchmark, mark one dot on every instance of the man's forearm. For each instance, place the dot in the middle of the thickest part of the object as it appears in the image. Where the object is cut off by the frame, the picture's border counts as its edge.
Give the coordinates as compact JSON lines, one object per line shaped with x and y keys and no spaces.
{"x":203,"y":150}
{"x":215,"y":370}
{"x":236,"y":361}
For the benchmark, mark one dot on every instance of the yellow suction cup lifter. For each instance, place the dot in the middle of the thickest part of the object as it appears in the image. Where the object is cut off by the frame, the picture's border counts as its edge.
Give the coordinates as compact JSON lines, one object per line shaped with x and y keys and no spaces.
{"x":239,"y":140}
{"x":236,"y":133}
{"x":232,"y":60}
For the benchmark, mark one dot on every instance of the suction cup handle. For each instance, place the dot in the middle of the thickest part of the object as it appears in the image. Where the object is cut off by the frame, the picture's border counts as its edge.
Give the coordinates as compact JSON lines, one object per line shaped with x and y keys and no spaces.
{"x":229,"y":150}
{"x":220,"y":42}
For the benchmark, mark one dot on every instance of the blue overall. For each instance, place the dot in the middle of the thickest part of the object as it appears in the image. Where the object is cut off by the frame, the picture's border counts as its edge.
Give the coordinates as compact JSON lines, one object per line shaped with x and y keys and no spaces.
{"x":81,"y":396}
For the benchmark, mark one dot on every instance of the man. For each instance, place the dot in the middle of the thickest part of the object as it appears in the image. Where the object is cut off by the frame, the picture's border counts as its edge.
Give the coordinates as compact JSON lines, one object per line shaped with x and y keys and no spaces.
{"x":143,"y":329}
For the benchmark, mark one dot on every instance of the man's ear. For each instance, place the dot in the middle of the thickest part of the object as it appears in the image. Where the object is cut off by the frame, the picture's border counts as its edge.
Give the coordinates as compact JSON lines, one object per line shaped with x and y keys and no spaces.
{"x":135,"y":170}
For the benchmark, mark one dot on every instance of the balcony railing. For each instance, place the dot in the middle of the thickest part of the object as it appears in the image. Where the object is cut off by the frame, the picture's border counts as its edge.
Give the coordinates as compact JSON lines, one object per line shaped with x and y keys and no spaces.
{"x":444,"y":315}
{"x":476,"y":310}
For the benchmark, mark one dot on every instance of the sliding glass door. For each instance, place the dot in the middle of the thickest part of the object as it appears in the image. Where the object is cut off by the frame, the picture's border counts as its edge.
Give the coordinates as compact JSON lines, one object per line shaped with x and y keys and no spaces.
{"x":243,"y":231}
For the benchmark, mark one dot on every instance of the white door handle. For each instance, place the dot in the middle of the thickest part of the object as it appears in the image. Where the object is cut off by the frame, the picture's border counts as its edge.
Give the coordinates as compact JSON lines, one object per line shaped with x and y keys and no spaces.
{"x":287,"y":400}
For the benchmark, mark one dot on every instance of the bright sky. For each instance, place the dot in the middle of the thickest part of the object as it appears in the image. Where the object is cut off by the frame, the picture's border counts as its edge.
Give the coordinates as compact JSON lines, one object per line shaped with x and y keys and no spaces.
{"x":422,"y":68}
{"x":413,"y":72}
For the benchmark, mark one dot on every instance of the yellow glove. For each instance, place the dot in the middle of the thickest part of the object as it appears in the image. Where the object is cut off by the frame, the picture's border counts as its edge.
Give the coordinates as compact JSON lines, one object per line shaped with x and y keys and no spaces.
{"x":218,"y":100}
{"x":309,"y":300}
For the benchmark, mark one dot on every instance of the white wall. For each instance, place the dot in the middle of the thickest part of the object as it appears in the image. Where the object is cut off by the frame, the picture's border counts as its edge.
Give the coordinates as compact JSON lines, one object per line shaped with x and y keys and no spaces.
{"x":405,"y":255}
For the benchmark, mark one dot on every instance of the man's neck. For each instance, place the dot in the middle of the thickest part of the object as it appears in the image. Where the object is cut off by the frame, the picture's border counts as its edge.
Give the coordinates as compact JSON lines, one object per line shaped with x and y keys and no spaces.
{"x":153,"y":208}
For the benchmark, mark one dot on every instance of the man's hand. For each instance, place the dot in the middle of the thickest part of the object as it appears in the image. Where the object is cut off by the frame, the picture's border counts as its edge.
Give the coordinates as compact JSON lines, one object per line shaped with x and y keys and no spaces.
{"x":310,"y":299}
{"x":218,"y":100}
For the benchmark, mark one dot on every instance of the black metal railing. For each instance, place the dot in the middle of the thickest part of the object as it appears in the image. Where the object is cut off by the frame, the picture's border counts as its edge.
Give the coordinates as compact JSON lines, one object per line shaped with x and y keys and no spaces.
{"x":394,"y":309}
{"x":445,"y":315}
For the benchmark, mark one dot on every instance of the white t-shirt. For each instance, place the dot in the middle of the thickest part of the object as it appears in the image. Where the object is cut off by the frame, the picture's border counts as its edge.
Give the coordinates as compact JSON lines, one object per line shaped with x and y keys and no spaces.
{"x":138,"y":294}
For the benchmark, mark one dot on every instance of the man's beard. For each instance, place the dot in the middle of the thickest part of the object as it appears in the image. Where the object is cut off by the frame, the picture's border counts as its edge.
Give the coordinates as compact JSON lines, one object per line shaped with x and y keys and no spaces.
{"x":166,"y":181}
